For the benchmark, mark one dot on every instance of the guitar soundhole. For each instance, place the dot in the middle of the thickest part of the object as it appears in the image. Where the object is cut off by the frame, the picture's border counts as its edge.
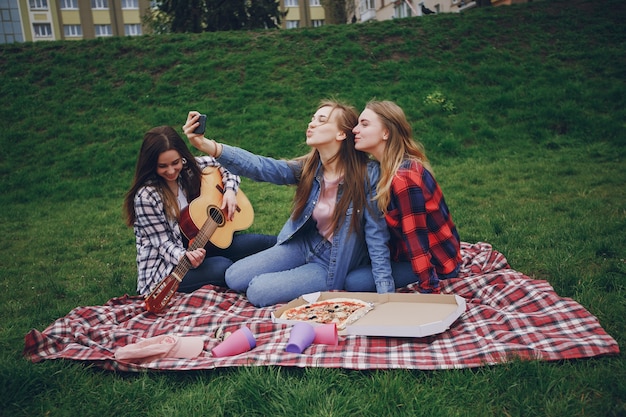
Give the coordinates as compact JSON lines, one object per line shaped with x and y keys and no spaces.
{"x":216,"y":215}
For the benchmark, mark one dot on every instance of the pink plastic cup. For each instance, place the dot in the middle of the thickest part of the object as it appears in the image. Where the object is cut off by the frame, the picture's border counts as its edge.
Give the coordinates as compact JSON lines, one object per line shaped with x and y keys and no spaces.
{"x":301,"y":337}
{"x":326,"y":334}
{"x":240,"y":341}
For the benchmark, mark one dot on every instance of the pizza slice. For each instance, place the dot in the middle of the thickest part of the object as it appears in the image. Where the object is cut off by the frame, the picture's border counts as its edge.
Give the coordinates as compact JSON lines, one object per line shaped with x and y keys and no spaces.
{"x":341,"y":311}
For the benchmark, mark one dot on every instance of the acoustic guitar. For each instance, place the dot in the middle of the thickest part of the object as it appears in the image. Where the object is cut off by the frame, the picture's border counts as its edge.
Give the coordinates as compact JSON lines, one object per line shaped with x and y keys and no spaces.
{"x":202,"y":221}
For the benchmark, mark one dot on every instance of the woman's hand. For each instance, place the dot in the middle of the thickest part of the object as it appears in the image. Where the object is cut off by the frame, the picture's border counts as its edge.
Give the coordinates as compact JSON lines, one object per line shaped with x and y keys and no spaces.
{"x":196,"y":139}
{"x":229,"y":204}
{"x":196,"y":257}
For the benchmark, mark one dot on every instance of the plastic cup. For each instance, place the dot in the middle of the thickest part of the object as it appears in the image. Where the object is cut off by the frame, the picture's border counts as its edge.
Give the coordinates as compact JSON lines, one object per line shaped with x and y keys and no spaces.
{"x":301,"y":337}
{"x":326,"y":334}
{"x":241,"y":340}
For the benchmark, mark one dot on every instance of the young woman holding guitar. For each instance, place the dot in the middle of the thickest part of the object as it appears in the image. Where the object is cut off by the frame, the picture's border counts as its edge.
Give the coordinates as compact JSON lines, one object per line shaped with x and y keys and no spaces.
{"x":335,"y":223}
{"x":167,"y":178}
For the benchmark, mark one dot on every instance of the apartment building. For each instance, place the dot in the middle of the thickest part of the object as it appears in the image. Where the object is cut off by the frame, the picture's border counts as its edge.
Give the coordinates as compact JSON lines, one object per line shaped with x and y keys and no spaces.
{"x":301,"y":13}
{"x":310,"y":13}
{"x":36,"y":20}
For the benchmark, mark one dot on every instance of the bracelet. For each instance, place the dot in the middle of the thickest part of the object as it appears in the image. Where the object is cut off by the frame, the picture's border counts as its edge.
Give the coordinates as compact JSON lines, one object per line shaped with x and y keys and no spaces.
{"x":215,"y":154}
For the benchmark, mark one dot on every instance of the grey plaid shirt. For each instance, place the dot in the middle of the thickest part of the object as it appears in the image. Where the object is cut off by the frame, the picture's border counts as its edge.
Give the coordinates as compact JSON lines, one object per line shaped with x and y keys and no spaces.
{"x":159,"y":241}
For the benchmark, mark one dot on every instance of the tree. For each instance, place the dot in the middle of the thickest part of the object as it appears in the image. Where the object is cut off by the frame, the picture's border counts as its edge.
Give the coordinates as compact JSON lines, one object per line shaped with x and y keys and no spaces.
{"x":214,"y":15}
{"x":264,"y":14}
{"x":336,"y":11}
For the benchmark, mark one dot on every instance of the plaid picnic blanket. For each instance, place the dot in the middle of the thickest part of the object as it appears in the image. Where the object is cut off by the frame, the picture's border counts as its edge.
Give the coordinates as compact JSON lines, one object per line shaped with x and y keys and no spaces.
{"x":508,"y":316}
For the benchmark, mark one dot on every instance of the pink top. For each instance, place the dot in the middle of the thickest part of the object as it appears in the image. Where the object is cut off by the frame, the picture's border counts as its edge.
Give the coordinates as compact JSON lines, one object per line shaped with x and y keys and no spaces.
{"x":325,"y":207}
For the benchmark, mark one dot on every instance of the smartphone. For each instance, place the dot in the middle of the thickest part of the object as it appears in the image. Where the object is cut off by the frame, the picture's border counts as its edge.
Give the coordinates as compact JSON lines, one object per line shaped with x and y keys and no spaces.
{"x":202,"y":126}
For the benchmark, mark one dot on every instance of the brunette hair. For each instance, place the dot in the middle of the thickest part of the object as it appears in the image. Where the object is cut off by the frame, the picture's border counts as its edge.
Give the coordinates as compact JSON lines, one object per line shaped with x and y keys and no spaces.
{"x":156,"y":141}
{"x":352,"y":162}
{"x":400,"y":145}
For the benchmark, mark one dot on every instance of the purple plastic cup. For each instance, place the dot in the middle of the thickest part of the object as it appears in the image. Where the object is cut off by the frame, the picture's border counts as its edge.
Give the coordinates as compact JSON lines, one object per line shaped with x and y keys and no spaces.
{"x":240,"y":341}
{"x":301,"y":337}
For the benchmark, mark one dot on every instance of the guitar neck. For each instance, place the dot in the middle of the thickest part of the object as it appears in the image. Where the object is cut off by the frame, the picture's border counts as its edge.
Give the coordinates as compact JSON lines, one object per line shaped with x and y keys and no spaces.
{"x":202,"y":238}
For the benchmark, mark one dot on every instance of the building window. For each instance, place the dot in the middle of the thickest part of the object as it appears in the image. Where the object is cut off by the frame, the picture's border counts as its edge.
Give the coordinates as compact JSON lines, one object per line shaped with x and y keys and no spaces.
{"x":292,"y":24}
{"x":317,"y":22}
{"x":402,"y":11}
{"x":132,"y":30}
{"x":291,"y":3}
{"x":69,"y":4}
{"x":103,"y":30}
{"x":38,"y":4}
{"x":99,"y":4}
{"x":314,"y":3}
{"x":72,"y":31}
{"x":367,"y":5}
{"x":42,"y":30}
{"x":130,"y":4}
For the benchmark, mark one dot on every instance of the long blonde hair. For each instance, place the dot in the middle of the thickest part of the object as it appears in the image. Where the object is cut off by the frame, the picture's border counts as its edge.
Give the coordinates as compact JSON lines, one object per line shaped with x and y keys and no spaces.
{"x":399,"y":146}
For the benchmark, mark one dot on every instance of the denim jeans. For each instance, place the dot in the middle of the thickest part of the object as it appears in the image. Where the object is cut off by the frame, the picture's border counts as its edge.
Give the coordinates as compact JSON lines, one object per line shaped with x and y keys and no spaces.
{"x":361,"y":279}
{"x":213,"y":268}
{"x":283,"y":272}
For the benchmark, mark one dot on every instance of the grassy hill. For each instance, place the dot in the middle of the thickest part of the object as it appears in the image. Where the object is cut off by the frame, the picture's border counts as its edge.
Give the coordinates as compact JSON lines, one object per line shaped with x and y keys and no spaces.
{"x":522,"y":111}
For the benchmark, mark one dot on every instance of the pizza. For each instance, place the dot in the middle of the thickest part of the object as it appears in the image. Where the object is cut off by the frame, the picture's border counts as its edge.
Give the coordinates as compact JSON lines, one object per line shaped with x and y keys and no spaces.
{"x":341,"y":311}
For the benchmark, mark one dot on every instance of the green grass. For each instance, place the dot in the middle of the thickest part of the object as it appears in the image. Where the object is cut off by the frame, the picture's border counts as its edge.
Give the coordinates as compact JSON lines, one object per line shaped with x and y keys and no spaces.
{"x":527,"y":142}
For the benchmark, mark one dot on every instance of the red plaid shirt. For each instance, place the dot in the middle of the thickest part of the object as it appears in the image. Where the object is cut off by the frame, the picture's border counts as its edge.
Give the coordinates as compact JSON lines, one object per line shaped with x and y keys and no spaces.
{"x":421,"y":226}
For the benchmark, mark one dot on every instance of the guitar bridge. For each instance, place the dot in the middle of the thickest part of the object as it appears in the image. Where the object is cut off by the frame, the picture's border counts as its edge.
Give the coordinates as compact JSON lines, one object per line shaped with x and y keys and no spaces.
{"x":222,"y":190}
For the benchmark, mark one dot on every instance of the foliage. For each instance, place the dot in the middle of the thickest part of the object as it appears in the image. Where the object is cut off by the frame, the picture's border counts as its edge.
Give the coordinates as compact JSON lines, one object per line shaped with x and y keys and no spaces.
{"x":338,"y":11}
{"x":438,"y":100}
{"x":213,"y":15}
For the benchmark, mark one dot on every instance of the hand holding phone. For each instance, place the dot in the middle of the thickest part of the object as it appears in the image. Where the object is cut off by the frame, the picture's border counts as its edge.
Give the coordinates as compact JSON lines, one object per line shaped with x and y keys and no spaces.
{"x":202,"y":126}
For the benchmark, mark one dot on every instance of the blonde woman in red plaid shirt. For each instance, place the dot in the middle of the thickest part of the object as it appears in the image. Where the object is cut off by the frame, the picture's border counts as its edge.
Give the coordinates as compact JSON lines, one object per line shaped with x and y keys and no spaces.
{"x":424,"y":245}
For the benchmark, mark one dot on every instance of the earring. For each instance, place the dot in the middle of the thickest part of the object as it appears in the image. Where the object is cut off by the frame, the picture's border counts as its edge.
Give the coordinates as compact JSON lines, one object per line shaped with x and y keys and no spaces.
{"x":187,"y":167}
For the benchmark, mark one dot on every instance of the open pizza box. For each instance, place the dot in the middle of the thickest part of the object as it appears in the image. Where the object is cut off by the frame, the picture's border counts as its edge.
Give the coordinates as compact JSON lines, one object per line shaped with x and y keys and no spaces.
{"x":394,"y":314}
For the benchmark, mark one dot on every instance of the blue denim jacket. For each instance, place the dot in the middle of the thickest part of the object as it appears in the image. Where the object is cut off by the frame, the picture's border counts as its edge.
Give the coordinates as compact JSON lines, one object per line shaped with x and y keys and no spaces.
{"x":349,"y":250}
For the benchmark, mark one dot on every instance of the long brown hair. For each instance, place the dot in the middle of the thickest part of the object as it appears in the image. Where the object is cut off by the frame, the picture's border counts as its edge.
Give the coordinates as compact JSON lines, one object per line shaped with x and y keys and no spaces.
{"x":156,"y":141}
{"x":352,"y":162}
{"x":400,"y":145}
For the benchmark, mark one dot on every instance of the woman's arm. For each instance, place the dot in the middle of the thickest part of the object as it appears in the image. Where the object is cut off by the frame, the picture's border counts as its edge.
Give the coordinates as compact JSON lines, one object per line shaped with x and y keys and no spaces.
{"x":152,"y":223}
{"x":377,"y":237}
{"x":241,"y":162}
{"x":259,"y":168}
{"x":412,"y":194}
{"x":230,"y":180}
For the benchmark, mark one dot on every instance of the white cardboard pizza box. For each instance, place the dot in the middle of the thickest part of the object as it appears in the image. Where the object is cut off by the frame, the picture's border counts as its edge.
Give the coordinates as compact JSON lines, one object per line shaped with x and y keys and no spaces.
{"x":394,"y":314}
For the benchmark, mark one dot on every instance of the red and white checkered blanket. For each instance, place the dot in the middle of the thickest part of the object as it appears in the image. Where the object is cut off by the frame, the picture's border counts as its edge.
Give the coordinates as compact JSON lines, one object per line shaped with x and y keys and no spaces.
{"x":508,"y":315}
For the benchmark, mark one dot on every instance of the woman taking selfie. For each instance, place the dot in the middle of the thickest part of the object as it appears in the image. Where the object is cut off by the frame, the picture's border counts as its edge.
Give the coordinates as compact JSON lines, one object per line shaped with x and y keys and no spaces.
{"x":334,"y":223}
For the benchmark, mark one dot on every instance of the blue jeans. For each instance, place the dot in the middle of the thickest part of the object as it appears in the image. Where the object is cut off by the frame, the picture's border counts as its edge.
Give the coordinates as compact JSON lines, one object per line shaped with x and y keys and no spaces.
{"x":283,"y":272}
{"x":213,"y":268}
{"x":361,"y":278}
